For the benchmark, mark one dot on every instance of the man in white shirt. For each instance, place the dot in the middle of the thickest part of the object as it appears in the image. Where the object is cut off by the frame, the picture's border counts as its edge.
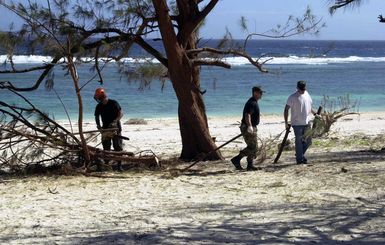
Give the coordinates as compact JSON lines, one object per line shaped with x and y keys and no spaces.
{"x":300,"y":106}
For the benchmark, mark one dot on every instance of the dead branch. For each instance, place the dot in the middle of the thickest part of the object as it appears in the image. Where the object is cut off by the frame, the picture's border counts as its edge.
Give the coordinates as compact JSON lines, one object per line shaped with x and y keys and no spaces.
{"x":29,"y":137}
{"x":53,"y":191}
{"x":334,"y":110}
{"x":285,"y":34}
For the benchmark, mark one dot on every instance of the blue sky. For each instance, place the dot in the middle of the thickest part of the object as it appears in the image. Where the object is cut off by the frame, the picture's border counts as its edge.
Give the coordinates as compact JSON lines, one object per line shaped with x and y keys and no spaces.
{"x":354,"y":24}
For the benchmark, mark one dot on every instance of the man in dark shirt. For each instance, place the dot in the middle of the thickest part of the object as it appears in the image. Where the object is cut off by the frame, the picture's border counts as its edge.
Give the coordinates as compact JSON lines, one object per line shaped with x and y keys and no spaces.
{"x":250,"y":120}
{"x":111,"y":113}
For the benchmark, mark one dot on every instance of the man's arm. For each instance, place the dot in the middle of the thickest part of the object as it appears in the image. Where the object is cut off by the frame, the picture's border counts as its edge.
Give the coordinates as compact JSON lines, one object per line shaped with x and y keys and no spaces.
{"x":248,"y":119}
{"x":117,"y":119}
{"x":97,"y":117}
{"x":120,"y":115}
{"x":250,"y":128}
{"x":97,"y":120}
{"x":286,"y":115}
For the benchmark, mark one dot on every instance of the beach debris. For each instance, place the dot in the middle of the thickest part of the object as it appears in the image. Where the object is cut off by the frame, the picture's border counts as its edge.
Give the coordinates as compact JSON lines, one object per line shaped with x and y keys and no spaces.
{"x":265,"y":151}
{"x":136,"y":121}
{"x":53,"y":191}
{"x":282,"y":145}
{"x":209,"y":153}
{"x":334,"y":110}
{"x":32,"y":142}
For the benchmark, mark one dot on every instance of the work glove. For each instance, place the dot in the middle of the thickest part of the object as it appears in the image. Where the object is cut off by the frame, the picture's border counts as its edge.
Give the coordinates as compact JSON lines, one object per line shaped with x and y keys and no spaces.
{"x":108,"y":135}
{"x":250,"y":129}
{"x":287,"y":125}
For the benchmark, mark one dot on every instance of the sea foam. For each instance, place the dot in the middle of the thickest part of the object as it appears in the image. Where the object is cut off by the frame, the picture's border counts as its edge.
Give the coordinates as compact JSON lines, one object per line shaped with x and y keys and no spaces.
{"x":235,"y":61}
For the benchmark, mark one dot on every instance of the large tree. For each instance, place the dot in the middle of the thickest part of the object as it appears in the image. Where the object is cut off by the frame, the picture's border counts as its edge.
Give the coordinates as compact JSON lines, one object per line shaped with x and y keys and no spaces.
{"x":106,"y":30}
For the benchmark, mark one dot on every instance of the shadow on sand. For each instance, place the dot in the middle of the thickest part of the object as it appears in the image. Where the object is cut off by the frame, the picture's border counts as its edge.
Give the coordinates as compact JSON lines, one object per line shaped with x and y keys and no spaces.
{"x":346,"y":221}
{"x":337,"y":224}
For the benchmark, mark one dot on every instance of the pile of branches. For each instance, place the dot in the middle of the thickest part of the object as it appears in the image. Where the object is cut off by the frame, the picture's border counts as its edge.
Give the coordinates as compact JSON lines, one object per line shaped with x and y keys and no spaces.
{"x":29,"y":137}
{"x":268,"y":147}
{"x":334,"y":110}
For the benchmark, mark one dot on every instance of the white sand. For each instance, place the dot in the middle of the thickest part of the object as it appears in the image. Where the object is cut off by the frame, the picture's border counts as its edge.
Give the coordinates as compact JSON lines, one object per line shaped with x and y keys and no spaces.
{"x":339,"y":199}
{"x":163,"y":137}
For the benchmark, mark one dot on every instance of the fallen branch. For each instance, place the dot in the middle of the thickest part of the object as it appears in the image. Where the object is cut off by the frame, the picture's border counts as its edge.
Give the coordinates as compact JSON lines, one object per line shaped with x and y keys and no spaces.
{"x":29,"y":137}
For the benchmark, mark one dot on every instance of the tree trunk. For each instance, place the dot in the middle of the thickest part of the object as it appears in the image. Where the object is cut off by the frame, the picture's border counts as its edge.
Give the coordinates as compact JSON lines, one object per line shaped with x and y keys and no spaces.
{"x":73,"y":72}
{"x":196,"y":138}
{"x":195,"y":134}
{"x":191,"y":143}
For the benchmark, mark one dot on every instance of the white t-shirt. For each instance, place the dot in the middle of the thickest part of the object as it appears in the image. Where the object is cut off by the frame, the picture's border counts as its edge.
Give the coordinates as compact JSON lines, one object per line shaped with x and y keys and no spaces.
{"x":300,"y":105}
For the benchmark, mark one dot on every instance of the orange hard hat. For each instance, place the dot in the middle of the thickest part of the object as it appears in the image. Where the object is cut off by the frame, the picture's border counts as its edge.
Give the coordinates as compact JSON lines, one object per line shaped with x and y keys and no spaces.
{"x":100,"y":94}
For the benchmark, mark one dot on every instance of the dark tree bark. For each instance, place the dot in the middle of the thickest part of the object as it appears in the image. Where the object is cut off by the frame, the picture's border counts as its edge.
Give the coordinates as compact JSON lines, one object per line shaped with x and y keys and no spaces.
{"x":184,"y":76}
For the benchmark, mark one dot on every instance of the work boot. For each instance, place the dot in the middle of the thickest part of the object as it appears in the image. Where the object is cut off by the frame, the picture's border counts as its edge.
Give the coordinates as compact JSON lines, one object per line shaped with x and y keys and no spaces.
{"x":237,"y":162}
{"x":304,"y":161}
{"x":119,"y":167}
{"x":250,"y":166}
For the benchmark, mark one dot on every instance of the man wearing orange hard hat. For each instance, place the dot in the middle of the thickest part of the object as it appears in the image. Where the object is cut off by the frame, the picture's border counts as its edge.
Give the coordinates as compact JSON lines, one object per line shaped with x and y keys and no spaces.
{"x":110,"y":112}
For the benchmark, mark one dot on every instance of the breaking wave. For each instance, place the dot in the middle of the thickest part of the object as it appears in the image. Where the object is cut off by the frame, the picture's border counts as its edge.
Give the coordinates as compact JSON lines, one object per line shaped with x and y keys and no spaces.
{"x":235,"y":61}
{"x":295,"y":60}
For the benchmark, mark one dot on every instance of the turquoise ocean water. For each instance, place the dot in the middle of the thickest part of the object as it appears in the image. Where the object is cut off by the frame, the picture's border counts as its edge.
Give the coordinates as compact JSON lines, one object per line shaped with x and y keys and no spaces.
{"x":332,"y":68}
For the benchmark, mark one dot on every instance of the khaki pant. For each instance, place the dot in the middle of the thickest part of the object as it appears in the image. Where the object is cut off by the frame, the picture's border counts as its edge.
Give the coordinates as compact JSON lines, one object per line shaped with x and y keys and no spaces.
{"x":251,"y":141}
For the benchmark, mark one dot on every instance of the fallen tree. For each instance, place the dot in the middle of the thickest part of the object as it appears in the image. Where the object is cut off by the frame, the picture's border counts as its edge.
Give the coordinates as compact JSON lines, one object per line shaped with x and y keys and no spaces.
{"x":29,"y":137}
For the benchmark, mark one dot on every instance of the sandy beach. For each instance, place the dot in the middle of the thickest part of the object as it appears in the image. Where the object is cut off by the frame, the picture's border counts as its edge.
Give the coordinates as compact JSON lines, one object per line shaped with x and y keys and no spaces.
{"x":152,"y":61}
{"x":162,"y":135}
{"x":337,"y":199}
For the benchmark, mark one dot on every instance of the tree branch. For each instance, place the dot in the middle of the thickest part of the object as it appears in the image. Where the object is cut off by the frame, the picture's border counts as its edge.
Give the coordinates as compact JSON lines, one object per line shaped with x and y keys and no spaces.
{"x":146,"y":46}
{"x":25,"y":70}
{"x":39,"y":80}
{"x":207,"y":62}
{"x":340,"y":4}
{"x":189,"y":27}
{"x":234,"y":52}
{"x":166,"y":28}
{"x":381,"y":19}
{"x":287,"y":32}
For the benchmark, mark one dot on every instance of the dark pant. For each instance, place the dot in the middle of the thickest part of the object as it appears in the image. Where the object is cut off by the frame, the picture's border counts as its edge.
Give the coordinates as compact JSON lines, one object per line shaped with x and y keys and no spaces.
{"x":109,"y":137}
{"x":302,"y":141}
{"x":117,"y":143}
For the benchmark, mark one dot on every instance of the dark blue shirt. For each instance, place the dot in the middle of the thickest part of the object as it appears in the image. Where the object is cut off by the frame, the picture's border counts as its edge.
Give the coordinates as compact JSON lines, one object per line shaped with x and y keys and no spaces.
{"x":252,"y":108}
{"x":108,"y":112}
